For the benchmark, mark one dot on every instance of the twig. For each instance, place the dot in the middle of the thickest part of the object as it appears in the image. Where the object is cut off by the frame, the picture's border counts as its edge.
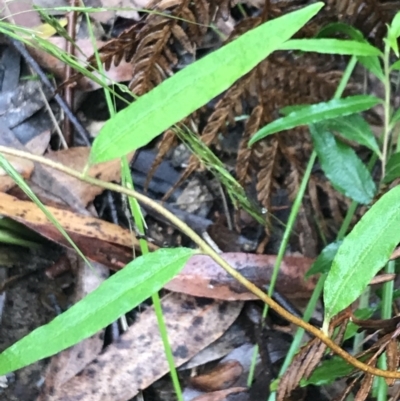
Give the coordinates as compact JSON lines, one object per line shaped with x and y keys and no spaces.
{"x":81,"y":130}
{"x":214,"y":255}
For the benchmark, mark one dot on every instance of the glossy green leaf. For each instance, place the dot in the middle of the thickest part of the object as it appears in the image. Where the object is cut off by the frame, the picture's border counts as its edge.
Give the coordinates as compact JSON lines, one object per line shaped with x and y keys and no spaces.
{"x":324,"y":260}
{"x":356,"y":129}
{"x":332,"y":46}
{"x":194,"y":86}
{"x":363,"y":253}
{"x":342,"y":166}
{"x":392,"y":168}
{"x":116,"y":296}
{"x":317,"y":112}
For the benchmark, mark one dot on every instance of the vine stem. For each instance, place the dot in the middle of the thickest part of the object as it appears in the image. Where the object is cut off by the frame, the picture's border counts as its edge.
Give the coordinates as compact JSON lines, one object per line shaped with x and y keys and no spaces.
{"x":210,"y":252}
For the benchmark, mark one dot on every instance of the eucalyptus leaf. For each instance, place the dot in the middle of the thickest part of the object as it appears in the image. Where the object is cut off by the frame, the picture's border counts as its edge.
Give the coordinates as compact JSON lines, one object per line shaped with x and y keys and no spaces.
{"x":342,"y":166}
{"x":363,"y":253}
{"x":120,"y":293}
{"x":304,"y":115}
{"x":194,"y":86}
{"x":324,"y":260}
{"x":332,"y":46}
{"x":392,"y":168}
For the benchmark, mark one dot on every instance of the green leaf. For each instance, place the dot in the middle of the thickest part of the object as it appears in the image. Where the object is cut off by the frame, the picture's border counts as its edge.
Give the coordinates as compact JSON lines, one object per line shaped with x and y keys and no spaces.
{"x":395,"y":66}
{"x":340,"y":27}
{"x":363,"y":253}
{"x":394,"y":33}
{"x":317,"y":112}
{"x":356,"y":129}
{"x":342,"y":166}
{"x":332,"y":46}
{"x":396,"y":117}
{"x":116,"y":296}
{"x":194,"y":86}
{"x":329,"y":371}
{"x":352,"y":328}
{"x":371,"y":63}
{"x":324,"y":261}
{"x":392,"y":168}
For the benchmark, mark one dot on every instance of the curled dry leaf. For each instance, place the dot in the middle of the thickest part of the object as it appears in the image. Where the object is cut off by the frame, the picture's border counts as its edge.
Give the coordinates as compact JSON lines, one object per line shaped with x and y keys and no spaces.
{"x":223,"y":376}
{"x":99,"y":240}
{"x":202,"y":277}
{"x":137,"y":358}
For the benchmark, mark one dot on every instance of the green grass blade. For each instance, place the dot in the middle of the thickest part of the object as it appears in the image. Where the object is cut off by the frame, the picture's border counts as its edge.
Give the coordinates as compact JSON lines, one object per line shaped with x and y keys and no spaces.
{"x":194,"y":86}
{"x":310,"y":114}
{"x":332,"y":46}
{"x":120,"y":293}
{"x":342,"y":166}
{"x":363,"y":253}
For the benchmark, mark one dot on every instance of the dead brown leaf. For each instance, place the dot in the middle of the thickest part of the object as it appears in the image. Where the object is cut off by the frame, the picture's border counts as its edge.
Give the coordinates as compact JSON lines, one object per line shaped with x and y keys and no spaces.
{"x":99,"y":240}
{"x":77,"y":158}
{"x":70,"y":362}
{"x":137,"y":359}
{"x":202,"y":277}
{"x":223,"y":376}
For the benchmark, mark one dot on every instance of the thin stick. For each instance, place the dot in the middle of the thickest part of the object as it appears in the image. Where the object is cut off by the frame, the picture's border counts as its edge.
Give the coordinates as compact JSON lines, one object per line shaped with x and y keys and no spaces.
{"x":80,"y":129}
{"x":214,"y":255}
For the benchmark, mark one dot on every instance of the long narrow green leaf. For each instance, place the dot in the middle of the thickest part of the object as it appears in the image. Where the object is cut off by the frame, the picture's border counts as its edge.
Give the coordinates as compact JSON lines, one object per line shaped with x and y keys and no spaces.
{"x":342,"y":166}
{"x":304,"y":115}
{"x":116,"y":296}
{"x":363,"y":253}
{"x":332,"y":46}
{"x":194,"y":86}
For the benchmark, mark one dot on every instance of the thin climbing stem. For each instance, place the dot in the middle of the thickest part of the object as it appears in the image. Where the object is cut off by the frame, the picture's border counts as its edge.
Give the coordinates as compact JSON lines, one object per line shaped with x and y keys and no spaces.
{"x":210,"y":252}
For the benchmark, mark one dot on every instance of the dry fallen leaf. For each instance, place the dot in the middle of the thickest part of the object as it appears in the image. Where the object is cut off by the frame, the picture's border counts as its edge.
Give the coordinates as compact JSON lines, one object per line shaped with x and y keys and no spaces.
{"x":202,"y":277}
{"x":222,"y":377}
{"x":137,"y":358}
{"x":99,"y":240}
{"x":70,"y":362}
{"x":23,"y":166}
{"x":77,"y":159}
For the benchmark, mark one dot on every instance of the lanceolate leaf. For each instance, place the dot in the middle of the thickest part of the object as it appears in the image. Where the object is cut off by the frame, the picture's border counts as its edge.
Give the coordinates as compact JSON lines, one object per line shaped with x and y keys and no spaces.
{"x":332,"y":46}
{"x":342,"y":166}
{"x":324,"y":261}
{"x":363,"y":253}
{"x":116,"y":296}
{"x":304,"y":115}
{"x":392,"y":168}
{"x":194,"y":86}
{"x":355,"y":128}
